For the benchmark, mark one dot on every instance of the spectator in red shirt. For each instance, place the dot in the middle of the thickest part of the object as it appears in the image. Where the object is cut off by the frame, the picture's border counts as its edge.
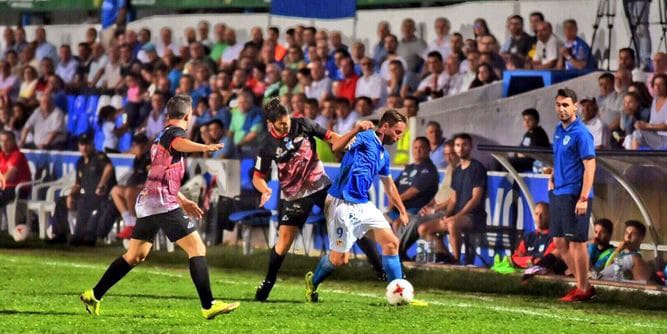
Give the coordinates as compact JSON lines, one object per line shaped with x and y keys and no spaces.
{"x":537,"y":250}
{"x":348,"y":84}
{"x":13,"y":166}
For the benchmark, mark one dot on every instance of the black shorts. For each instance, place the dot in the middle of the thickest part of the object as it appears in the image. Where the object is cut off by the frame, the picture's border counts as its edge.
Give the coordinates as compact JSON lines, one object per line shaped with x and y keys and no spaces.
{"x":565,"y":223}
{"x":296,"y":212}
{"x":175,"y":224}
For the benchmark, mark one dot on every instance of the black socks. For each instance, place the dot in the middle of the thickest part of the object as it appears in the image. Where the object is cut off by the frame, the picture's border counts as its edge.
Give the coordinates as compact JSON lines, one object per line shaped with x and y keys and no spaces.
{"x":114,"y":273}
{"x":275,"y":261}
{"x":199,"y":274}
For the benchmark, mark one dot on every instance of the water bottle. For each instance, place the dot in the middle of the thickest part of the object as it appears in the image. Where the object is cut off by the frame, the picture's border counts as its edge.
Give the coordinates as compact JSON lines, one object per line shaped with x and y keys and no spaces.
{"x":422,"y":246}
{"x":618,"y":272}
{"x":431,"y":252}
{"x":538,"y":167}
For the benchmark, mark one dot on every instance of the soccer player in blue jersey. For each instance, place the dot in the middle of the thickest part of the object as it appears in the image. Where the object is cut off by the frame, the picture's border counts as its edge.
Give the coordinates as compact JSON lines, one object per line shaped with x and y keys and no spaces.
{"x":570,"y":192}
{"x":350,"y":214}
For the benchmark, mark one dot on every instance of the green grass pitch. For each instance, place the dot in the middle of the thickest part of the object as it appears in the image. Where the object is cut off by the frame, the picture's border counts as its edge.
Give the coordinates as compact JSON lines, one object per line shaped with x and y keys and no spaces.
{"x":39,"y":292}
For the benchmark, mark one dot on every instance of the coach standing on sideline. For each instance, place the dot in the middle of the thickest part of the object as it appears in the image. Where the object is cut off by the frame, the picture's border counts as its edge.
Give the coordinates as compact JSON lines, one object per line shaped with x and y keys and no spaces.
{"x":570,"y":192}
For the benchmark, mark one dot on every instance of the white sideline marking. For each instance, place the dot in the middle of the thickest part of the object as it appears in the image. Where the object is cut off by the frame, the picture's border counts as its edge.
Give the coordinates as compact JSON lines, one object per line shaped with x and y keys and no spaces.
{"x":89,"y":266}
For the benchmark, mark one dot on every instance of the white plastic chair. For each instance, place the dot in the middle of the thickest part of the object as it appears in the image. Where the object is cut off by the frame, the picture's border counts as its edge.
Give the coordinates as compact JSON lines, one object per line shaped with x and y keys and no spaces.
{"x":11,"y":209}
{"x":47,"y":207}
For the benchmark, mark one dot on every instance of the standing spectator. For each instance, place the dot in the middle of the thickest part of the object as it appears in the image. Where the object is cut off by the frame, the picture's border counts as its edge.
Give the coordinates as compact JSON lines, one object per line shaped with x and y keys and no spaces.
{"x":600,"y":248}
{"x":348,"y":84}
{"x":432,"y":85}
{"x":547,"y":48}
{"x":107,"y":125}
{"x":246,"y":125}
{"x":570,"y":194}
{"x":346,"y":118}
{"x":370,"y":84}
{"x":441,"y":43}
{"x":94,"y":179}
{"x":379,"y":51}
{"x":125,"y":196}
{"x":654,"y":133}
{"x":575,"y":53}
{"x":411,"y":47}
{"x":592,"y":120}
{"x":114,"y":15}
{"x":66,"y":68}
{"x":320,"y":86}
{"x":46,"y":124}
{"x":464,"y":210}
{"x":518,"y":43}
{"x":44,"y":49}
{"x":13,"y":167}
{"x":436,"y":144}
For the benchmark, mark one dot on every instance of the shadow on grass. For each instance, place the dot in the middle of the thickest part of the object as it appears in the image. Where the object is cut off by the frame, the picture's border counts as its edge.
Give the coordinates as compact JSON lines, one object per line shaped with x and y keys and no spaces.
{"x":31,"y":312}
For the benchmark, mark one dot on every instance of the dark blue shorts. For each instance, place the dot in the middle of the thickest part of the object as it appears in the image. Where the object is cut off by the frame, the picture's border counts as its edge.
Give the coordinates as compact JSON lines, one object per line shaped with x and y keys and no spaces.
{"x":564,"y":222}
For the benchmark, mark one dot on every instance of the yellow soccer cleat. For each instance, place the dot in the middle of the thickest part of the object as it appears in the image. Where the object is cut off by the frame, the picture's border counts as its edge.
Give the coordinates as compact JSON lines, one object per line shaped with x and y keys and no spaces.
{"x":91,"y":303}
{"x":417,"y":302}
{"x":218,"y":307}
{"x":311,"y":291}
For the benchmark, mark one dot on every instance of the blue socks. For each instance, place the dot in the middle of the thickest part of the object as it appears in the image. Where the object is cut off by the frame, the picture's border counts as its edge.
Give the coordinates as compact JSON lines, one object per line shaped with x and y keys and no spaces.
{"x":392,"y":266}
{"x":323,"y":270}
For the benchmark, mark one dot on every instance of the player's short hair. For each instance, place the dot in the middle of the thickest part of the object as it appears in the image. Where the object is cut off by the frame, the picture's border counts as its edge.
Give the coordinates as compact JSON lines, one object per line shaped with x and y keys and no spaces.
{"x":639,"y":226}
{"x":606,"y":224}
{"x":532,"y":112}
{"x":566,"y":92}
{"x":393,"y":116}
{"x":463,"y":136}
{"x":424,"y":141}
{"x":178,"y":106}
{"x":274,"y":110}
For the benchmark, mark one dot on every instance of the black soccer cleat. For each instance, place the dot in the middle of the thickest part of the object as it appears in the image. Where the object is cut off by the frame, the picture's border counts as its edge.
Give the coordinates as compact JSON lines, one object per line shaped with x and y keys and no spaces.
{"x":263,"y":291}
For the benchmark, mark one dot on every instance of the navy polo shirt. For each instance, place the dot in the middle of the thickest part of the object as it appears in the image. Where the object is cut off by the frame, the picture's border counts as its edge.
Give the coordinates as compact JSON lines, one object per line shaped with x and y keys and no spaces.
{"x":572,"y":145}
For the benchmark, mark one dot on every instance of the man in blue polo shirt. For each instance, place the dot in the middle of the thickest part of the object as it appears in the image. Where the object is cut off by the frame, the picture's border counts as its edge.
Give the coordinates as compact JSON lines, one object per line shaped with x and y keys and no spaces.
{"x":570,"y":192}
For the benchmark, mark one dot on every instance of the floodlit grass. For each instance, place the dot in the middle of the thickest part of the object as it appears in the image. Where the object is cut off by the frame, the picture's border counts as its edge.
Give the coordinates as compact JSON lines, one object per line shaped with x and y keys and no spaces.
{"x":39,"y":292}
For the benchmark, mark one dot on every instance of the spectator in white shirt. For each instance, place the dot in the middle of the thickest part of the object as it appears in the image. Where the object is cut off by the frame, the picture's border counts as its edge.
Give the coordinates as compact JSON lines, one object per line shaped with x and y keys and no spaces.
{"x":233,"y":51}
{"x":441,"y":42}
{"x":390,"y":47}
{"x":320,"y":86}
{"x":346,"y":118}
{"x":156,"y":118}
{"x":166,"y":42}
{"x":590,"y":117}
{"x":67,"y":66}
{"x":97,"y":65}
{"x":46,"y":124}
{"x":431,"y":86}
{"x":547,"y":48}
{"x":472,"y":61}
{"x":371,"y":84}
{"x":454,"y":78}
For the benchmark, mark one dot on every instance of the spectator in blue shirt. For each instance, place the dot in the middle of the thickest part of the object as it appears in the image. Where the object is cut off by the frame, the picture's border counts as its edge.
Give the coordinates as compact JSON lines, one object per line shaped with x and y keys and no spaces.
{"x":218,"y":135}
{"x":44,"y":48}
{"x":600,"y":248}
{"x":437,"y":142}
{"x":575,"y":53}
{"x":379,"y":52}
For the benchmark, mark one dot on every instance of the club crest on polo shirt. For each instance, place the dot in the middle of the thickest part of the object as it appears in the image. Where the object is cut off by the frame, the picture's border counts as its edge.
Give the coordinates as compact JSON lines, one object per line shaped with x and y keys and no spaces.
{"x":566,"y":140}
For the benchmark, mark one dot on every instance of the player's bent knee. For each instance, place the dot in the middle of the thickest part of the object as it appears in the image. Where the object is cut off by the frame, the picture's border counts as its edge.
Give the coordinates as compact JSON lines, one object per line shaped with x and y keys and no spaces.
{"x":338,"y":260}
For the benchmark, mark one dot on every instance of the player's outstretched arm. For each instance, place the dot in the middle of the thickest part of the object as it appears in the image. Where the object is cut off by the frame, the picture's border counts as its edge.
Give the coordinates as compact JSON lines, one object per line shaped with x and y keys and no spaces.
{"x":339,"y":145}
{"x":395,"y":198}
{"x":188,"y":146}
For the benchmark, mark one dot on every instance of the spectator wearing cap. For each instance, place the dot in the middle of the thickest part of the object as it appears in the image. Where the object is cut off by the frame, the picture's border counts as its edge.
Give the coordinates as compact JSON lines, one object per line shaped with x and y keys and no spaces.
{"x":218,"y":135}
{"x":13,"y":167}
{"x":125,"y":196}
{"x":370,"y":84}
{"x":95,"y":178}
{"x":46,"y":125}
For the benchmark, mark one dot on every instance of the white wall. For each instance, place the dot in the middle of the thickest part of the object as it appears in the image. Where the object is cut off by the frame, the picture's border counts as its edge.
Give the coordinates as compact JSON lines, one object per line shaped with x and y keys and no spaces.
{"x":460,"y":15}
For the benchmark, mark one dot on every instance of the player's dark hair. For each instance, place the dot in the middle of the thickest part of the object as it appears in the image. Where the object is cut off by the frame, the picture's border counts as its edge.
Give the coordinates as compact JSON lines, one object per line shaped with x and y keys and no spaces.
{"x":178,"y":106}
{"x":274,"y":110}
{"x":424,"y":141}
{"x":636,"y":224}
{"x":463,"y":136}
{"x":393,"y":116}
{"x":532,"y":112}
{"x":606,"y":224}
{"x":566,"y":92}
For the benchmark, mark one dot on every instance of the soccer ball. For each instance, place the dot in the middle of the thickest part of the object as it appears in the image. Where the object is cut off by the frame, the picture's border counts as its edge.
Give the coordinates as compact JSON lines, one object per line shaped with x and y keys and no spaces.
{"x":21,"y":232}
{"x":399,"y":292}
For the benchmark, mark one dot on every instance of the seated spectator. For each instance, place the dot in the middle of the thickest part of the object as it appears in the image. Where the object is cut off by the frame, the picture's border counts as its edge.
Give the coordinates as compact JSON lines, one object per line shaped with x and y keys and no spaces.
{"x":364,"y":107}
{"x":608,"y":101}
{"x":535,"y":245}
{"x":218,"y":135}
{"x":156,"y":117}
{"x":547,"y":48}
{"x":9,"y":84}
{"x":485,"y":75}
{"x":464,"y":210}
{"x":575,"y":53}
{"x":488,"y":49}
{"x":320,"y":86}
{"x":441,"y":42}
{"x":14,"y":167}
{"x":432,"y":211}
{"x":346,"y":118}
{"x":66,"y":68}
{"x":98,"y":61}
{"x":470,"y":71}
{"x":654,"y":133}
{"x":297,"y":105}
{"x":394,"y":101}
{"x":370,"y":84}
{"x":633,"y":112}
{"x":28,"y":88}
{"x":403,"y":146}
{"x":107,"y":124}
{"x":418,"y":182}
{"x":95,"y":178}
{"x":600,"y":248}
{"x":290,"y":85}
{"x":432,"y":85}
{"x":519,"y":42}
{"x":246,"y":125}
{"x":327,"y":116}
{"x":590,"y":117}
{"x":453,"y":76}
{"x":626,"y":263}
{"x":659,"y":66}
{"x":436,"y":144}
{"x":348,"y":84}
{"x":125,"y":196}
{"x":400,"y":82}
{"x":47,"y":126}
{"x":535,"y":136}
{"x":390,"y":47}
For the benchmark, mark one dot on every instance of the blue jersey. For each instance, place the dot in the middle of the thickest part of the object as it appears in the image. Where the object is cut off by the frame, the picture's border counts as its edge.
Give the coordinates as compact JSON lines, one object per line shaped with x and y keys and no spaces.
{"x":571,"y":146}
{"x":365,"y":159}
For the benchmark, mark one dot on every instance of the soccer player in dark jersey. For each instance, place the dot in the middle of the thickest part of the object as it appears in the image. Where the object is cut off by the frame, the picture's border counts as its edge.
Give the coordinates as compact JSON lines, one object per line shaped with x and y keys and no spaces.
{"x":160,"y":205}
{"x":303,"y":183}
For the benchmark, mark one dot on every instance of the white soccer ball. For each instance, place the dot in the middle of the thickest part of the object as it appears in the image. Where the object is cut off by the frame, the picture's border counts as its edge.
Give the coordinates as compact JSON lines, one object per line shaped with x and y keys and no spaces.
{"x":399,"y":292}
{"x":21,"y":232}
